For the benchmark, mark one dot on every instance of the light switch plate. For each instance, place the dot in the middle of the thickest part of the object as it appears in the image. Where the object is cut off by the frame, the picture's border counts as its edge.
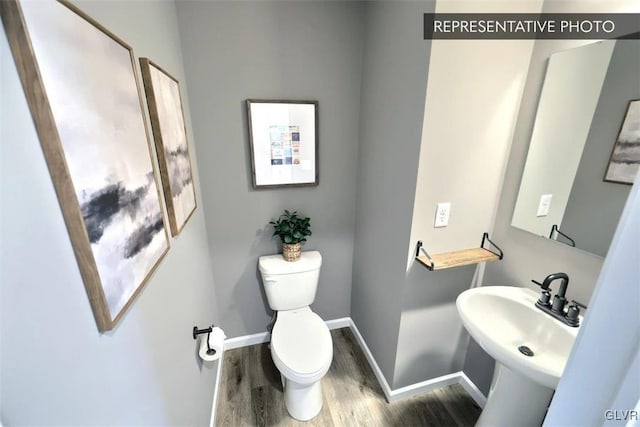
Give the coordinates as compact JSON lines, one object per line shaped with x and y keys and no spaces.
{"x":442,"y":215}
{"x":545,"y":205}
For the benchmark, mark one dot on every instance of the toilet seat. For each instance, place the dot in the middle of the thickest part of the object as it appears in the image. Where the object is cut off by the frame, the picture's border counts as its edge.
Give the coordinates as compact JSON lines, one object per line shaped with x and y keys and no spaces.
{"x":301,"y":345}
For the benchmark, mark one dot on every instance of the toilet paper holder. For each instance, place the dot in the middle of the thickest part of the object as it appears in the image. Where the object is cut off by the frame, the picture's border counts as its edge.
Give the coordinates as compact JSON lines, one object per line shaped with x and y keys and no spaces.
{"x":207,"y":331}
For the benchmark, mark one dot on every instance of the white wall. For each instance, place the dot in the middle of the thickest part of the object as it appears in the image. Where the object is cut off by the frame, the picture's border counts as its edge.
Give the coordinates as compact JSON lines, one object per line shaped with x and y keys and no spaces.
{"x":528,"y":256}
{"x":56,"y":368}
{"x":472,"y":99}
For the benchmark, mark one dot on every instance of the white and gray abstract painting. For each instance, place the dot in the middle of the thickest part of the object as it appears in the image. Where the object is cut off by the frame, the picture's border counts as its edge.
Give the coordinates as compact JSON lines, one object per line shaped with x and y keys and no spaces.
{"x":625,"y":159}
{"x":181,"y":199}
{"x":93,"y":94}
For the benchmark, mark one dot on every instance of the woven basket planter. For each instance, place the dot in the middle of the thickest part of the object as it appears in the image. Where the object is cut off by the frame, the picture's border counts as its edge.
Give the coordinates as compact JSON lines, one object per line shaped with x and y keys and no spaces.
{"x":291,"y":251}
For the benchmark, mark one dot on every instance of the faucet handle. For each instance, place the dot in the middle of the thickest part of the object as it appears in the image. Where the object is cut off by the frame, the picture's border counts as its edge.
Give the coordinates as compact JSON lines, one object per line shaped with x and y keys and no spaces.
{"x":578,"y":304}
{"x":573,"y":311}
{"x":544,"y":299}
{"x":539,"y":284}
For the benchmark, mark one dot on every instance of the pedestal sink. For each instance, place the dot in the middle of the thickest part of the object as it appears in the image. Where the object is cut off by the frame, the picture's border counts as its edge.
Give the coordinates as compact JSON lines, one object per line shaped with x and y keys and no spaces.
{"x":530,"y":348}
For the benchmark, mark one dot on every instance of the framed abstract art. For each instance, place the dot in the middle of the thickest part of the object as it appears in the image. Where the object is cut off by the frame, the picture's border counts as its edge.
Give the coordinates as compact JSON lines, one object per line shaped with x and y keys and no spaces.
{"x":169,"y":133}
{"x":625,"y":157}
{"x":80,"y":83}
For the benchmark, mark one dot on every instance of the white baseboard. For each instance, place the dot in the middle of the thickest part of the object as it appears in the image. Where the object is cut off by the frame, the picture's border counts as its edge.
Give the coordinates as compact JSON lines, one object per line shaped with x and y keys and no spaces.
{"x":214,"y":405}
{"x":246,"y":340}
{"x":472,"y":389}
{"x":423,"y":387}
{"x":343,"y":322}
{"x":392,"y":395}
{"x":262,"y":337}
{"x":372,"y":361}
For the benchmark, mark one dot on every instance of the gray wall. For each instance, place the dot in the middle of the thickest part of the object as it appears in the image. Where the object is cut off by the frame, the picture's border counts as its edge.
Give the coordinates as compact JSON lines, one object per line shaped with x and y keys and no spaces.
{"x":393,"y":91}
{"x":273,"y":50}
{"x":56,"y":367}
{"x":594,"y":205}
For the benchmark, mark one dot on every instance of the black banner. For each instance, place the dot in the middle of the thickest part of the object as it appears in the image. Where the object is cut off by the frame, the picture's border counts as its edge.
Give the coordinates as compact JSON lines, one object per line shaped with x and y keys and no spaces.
{"x":520,"y":26}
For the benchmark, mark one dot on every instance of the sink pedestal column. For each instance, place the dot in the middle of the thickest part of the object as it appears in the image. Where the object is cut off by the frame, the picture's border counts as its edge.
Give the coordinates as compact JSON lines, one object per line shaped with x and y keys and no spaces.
{"x":514,"y":400}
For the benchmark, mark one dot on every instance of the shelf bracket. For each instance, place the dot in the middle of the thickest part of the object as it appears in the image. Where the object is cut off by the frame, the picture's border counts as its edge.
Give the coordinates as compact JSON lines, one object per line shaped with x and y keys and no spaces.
{"x":555,"y":229}
{"x":420,"y":248}
{"x":485,"y":237}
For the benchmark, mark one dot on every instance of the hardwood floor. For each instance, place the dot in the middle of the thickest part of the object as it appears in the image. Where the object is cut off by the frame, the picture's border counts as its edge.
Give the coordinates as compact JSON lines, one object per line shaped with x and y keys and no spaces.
{"x":251,"y":394}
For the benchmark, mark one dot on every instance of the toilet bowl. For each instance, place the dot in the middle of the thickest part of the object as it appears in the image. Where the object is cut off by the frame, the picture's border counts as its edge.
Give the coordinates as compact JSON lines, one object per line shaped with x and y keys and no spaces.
{"x":302,"y":350}
{"x":301,"y":346}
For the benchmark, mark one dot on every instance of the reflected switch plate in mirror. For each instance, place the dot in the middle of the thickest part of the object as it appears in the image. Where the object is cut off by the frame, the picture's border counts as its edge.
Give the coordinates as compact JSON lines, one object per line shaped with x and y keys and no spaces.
{"x":545,"y":205}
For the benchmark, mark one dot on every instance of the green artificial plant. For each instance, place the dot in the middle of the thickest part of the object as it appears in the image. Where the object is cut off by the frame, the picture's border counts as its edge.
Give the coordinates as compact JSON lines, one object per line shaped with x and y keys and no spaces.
{"x":291,"y":228}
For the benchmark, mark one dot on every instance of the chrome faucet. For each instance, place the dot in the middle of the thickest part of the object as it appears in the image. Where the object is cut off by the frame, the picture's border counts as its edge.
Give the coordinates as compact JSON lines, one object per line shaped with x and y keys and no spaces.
{"x":556,"y":309}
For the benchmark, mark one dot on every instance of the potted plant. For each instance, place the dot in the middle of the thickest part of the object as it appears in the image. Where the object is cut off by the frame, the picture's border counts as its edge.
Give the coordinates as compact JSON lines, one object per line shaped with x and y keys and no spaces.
{"x":293,"y":231}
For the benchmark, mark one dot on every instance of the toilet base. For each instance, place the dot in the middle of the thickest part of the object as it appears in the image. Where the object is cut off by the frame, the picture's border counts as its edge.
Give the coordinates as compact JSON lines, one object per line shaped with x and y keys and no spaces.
{"x":303,"y":401}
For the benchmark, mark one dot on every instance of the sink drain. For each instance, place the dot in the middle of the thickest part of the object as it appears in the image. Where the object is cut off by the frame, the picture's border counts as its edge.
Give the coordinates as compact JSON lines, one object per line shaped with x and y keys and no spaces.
{"x":525,"y":350}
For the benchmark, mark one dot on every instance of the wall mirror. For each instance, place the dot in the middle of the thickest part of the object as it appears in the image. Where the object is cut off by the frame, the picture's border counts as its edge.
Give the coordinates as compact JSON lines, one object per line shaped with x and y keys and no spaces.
{"x":583,"y":102}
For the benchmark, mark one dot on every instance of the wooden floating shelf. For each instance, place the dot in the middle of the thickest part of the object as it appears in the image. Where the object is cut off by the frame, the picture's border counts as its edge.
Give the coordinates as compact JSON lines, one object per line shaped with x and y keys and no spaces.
{"x":458,"y":258}
{"x":452,"y":259}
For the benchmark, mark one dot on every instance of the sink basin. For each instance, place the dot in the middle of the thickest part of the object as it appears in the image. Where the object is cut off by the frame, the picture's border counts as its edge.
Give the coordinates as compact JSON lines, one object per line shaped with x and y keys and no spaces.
{"x":503,"y":318}
{"x":530,"y":347}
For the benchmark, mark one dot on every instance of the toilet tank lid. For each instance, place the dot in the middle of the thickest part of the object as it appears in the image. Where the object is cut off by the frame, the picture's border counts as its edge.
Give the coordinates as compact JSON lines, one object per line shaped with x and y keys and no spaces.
{"x":275,"y":264}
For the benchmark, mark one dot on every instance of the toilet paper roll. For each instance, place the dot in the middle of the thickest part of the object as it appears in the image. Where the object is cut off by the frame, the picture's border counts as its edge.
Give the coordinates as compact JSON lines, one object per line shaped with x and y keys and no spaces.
{"x":216,"y":343}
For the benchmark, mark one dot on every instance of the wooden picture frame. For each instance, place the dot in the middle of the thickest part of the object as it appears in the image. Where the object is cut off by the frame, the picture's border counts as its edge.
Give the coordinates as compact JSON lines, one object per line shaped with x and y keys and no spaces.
{"x":172,"y":148}
{"x":283,"y":138}
{"x":82,"y":89}
{"x":624,"y":162}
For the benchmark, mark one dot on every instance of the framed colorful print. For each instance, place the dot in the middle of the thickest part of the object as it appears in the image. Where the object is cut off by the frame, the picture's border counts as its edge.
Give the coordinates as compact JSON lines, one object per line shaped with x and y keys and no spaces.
{"x":85,"y":100}
{"x":169,"y":132}
{"x":283,"y":136}
{"x":625,"y":157}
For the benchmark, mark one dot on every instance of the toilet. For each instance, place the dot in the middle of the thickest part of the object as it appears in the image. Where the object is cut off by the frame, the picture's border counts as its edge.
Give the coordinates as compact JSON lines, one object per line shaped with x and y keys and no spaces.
{"x":301,"y":346}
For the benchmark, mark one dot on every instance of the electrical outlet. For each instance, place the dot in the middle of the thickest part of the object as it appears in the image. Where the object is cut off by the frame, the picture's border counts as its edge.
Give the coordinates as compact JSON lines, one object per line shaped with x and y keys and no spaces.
{"x":442,"y":215}
{"x":545,"y":205}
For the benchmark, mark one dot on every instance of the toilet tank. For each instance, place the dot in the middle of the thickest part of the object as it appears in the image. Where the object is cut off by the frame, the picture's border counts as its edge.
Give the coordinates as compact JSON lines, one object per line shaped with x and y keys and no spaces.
{"x":290,"y":285}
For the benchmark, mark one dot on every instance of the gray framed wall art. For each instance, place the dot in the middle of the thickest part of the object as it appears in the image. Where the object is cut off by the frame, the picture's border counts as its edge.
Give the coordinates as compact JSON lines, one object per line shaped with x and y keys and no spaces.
{"x":169,"y":132}
{"x":625,"y":156}
{"x":85,"y":100}
{"x":283,"y":137}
